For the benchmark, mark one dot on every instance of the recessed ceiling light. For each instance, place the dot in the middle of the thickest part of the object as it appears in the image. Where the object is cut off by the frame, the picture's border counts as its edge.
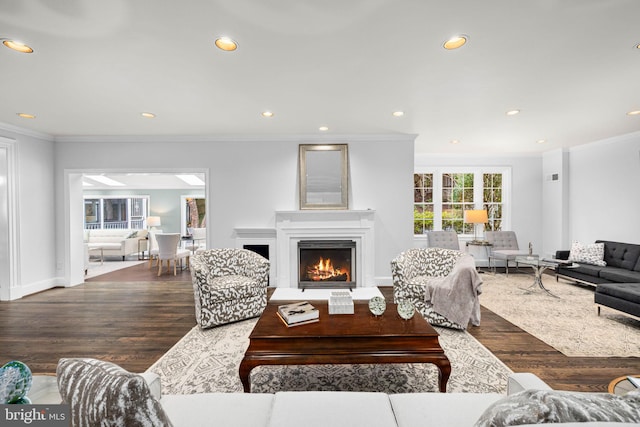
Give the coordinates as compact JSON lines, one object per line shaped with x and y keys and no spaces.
{"x":512,"y":112}
{"x":323,"y":128}
{"x":26,"y":115}
{"x":398,"y":113}
{"x":267,"y":113}
{"x":541,"y":141}
{"x":633,"y":113}
{"x":226,"y":43}
{"x":456,"y":42}
{"x":148,"y":115}
{"x":17,"y":46}
{"x":191,"y":179}
{"x":454,"y":141}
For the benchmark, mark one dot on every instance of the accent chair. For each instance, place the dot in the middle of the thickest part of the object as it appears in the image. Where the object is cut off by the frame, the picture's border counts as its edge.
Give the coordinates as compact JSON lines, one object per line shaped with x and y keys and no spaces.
{"x":228,"y":285}
{"x":504,"y":247}
{"x":443,"y":239}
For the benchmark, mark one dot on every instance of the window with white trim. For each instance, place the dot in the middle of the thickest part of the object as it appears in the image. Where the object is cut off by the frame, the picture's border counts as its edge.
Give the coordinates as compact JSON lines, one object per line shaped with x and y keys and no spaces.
{"x":441,"y":195}
{"x":115,"y":212}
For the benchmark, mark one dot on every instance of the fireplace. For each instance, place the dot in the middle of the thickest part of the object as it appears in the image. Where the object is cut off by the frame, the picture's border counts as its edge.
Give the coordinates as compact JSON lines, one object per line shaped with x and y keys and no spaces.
{"x":326,"y":264}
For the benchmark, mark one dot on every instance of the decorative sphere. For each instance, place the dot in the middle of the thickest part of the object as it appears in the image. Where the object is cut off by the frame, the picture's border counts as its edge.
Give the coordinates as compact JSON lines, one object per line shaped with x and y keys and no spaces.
{"x":377,"y":305}
{"x":15,"y":382}
{"x":406,"y":309}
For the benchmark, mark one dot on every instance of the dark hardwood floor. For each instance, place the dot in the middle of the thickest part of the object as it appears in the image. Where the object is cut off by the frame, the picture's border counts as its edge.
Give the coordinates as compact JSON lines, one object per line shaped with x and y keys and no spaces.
{"x":132,"y":317}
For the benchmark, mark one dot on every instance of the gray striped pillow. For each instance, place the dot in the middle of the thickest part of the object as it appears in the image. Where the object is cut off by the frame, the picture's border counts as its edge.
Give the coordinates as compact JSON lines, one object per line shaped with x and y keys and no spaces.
{"x":103,"y":394}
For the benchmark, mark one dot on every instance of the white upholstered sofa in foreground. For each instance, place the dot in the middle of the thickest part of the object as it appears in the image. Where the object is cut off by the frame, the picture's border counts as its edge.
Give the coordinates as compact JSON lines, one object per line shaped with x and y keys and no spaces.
{"x":96,"y":390}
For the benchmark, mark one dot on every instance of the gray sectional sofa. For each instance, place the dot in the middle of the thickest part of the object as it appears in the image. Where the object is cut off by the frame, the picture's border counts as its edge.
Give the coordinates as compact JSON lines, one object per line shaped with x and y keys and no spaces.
{"x":617,"y":283}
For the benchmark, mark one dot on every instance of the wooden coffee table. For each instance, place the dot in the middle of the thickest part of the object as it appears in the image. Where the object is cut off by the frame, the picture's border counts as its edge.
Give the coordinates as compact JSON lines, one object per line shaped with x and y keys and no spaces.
{"x":344,"y":339}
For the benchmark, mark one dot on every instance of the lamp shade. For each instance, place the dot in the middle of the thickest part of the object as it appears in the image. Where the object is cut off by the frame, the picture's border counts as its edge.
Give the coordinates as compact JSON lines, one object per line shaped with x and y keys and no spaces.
{"x":476,"y":217}
{"x":153,"y":221}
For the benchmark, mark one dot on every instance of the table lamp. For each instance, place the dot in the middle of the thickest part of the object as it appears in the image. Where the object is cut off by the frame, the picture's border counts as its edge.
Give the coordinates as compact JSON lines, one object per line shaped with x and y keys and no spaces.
{"x":153,"y":222}
{"x":476,"y":217}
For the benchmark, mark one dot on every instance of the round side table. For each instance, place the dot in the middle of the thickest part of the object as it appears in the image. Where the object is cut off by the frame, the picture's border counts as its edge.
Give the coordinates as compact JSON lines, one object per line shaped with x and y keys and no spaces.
{"x":621,"y":385}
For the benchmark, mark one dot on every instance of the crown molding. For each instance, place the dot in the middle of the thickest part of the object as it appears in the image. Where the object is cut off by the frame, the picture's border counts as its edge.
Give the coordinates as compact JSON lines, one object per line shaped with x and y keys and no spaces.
{"x":25,"y":132}
{"x":400,"y":137}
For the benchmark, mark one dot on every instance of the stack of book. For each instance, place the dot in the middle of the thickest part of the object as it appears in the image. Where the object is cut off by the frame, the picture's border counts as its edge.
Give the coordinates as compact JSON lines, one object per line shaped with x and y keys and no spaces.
{"x":299,"y":313}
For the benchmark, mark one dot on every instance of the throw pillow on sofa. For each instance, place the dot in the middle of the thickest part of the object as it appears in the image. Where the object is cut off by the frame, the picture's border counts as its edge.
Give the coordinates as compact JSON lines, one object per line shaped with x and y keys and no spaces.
{"x":587,"y":254}
{"x":103,"y":394}
{"x":553,"y":406}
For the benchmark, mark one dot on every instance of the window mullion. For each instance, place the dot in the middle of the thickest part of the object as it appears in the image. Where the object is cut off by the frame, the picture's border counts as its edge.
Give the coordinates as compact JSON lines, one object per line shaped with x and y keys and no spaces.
{"x":437,"y":200}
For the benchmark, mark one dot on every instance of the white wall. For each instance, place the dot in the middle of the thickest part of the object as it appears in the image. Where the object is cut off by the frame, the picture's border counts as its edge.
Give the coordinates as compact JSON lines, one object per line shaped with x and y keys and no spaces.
{"x":249,"y":179}
{"x":35,"y":225}
{"x":604,"y":199}
{"x":526,"y":184}
{"x":555,"y":196}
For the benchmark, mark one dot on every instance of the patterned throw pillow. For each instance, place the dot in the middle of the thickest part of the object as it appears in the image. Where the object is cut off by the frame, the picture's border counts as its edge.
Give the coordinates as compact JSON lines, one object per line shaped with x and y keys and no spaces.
{"x":103,"y":394}
{"x":552,"y":406}
{"x":587,"y":254}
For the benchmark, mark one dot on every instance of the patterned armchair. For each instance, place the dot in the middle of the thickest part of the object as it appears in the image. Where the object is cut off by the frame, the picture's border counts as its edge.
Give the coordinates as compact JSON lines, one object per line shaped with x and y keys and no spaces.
{"x":416,"y":271}
{"x":229,"y":285}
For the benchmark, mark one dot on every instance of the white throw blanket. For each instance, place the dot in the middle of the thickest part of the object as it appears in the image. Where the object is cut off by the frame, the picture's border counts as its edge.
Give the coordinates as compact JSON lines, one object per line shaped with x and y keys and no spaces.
{"x":456,"y":296}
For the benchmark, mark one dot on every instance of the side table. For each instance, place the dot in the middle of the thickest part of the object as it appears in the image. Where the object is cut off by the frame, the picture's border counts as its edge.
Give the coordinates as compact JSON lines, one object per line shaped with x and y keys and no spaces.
{"x":621,"y":385}
{"x":144,"y":249}
{"x":483,"y":243}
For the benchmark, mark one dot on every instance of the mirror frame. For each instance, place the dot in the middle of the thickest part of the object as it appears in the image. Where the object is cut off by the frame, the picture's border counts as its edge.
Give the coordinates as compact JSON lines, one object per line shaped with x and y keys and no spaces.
{"x":344,"y":168}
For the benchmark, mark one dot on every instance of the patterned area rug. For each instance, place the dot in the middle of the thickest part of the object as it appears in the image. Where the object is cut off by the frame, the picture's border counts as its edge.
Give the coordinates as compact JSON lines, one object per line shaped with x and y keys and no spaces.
{"x":208,"y":361}
{"x":569,"y":324}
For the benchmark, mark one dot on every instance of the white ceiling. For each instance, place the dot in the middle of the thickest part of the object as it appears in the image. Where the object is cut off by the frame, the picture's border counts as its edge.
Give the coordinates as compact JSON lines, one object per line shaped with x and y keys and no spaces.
{"x":570,"y":66}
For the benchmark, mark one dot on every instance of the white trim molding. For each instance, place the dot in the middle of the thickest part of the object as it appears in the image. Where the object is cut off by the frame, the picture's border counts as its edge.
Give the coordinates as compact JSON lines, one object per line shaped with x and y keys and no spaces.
{"x":9,"y":222}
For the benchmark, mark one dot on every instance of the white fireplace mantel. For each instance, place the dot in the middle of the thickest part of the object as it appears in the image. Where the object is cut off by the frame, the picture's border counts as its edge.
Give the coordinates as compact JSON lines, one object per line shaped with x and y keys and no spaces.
{"x":293,"y":226}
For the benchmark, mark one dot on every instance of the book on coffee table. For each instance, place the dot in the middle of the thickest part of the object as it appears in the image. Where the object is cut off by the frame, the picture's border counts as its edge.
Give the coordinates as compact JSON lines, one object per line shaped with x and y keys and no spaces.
{"x":298,"y":312}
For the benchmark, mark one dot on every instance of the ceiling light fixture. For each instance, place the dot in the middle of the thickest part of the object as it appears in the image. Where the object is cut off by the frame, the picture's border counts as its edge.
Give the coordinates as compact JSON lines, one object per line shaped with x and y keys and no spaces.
{"x":512,"y":112}
{"x":454,"y":141}
{"x":226,"y":43}
{"x":634,"y":113}
{"x":541,"y":141}
{"x":267,"y":114}
{"x":456,"y":42}
{"x":17,"y":46}
{"x":26,"y":115}
{"x":105,"y":180}
{"x":191,"y":179}
{"x":323,"y":128}
{"x":148,"y":115}
{"x":398,"y":113}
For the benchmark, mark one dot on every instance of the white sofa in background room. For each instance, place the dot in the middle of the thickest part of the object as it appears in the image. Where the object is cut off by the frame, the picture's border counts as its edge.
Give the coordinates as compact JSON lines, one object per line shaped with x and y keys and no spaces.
{"x":116,"y":242}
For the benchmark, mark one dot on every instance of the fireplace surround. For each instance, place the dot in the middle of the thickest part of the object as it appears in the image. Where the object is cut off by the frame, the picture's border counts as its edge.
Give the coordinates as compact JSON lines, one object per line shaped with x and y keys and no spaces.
{"x":325,"y":225}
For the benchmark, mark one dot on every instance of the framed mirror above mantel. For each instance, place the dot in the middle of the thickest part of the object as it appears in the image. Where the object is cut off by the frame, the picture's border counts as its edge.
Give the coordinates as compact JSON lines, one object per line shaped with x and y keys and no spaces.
{"x":324,"y":172}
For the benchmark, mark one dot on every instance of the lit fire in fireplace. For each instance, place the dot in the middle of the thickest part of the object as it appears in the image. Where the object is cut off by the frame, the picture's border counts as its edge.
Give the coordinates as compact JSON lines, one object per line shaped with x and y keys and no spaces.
{"x":324,"y":270}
